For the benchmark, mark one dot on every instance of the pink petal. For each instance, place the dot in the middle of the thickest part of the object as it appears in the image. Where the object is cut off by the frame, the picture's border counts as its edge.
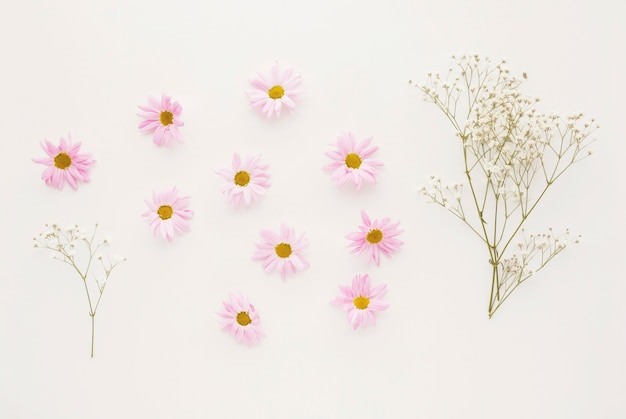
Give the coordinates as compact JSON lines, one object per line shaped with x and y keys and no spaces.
{"x":365,"y":218}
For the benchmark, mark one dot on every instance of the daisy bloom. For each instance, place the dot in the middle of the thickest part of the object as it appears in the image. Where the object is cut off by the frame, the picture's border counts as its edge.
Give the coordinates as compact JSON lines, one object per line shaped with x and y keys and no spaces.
{"x":351,"y":160}
{"x":163,"y":119}
{"x":361,"y":301}
{"x":246,"y":179}
{"x":271,"y":92}
{"x":282,"y":251}
{"x":168,"y":213}
{"x":375,"y":237}
{"x":65,"y":163}
{"x":239,"y":318}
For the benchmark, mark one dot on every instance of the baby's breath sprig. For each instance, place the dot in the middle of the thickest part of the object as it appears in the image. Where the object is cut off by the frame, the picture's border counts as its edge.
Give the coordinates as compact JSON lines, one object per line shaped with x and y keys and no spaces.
{"x":64,"y":245}
{"x":512,"y":155}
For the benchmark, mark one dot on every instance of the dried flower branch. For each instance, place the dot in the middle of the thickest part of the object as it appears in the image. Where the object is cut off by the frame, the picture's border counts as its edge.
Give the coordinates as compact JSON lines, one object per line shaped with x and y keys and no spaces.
{"x":512,"y":155}
{"x":64,"y":244}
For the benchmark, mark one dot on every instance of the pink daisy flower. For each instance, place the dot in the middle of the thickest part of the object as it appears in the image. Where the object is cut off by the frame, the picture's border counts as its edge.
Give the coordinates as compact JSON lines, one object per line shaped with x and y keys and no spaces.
{"x":239,"y":318}
{"x":375,"y":237}
{"x":246,"y":179}
{"x":163,"y":119}
{"x":168,"y":213}
{"x":361,"y":301}
{"x":271,"y":92}
{"x":65,"y":163}
{"x":282,"y":251}
{"x":351,"y":160}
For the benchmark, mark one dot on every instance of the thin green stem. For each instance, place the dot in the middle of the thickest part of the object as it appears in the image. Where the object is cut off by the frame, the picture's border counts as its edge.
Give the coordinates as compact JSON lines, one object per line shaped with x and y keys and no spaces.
{"x":494,"y":281}
{"x":524,"y":217}
{"x":88,"y":297}
{"x":93,"y":327}
{"x":476,"y":204}
{"x":100,"y":297}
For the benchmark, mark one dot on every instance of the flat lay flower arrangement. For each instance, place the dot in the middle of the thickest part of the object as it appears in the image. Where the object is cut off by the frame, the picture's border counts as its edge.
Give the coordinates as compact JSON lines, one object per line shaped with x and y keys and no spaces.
{"x":508,"y":149}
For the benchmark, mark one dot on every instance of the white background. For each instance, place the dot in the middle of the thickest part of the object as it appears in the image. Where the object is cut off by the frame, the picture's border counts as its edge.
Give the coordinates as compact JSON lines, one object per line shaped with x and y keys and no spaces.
{"x":555,"y":349}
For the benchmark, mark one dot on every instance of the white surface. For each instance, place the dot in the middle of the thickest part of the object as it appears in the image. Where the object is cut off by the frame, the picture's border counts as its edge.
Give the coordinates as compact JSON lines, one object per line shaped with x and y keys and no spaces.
{"x":554,"y":350}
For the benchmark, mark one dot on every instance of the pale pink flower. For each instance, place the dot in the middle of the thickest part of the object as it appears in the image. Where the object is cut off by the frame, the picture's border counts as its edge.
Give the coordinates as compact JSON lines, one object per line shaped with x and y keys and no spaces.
{"x":168,"y":213}
{"x":240,"y":318}
{"x":271,"y":92}
{"x":65,"y":163}
{"x":351,"y":160}
{"x":282,"y":251}
{"x":246,"y":179}
{"x":361,"y":301}
{"x":163,"y":119}
{"x":375,"y":237}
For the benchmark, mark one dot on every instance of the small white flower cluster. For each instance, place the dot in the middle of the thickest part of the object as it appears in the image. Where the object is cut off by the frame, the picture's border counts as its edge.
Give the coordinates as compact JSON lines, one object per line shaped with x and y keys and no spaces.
{"x":547,"y":243}
{"x":448,"y":196}
{"x":503,"y":134}
{"x":63,"y":244}
{"x":63,"y":241}
{"x":499,"y":120}
{"x":512,"y":155}
{"x":535,"y":251}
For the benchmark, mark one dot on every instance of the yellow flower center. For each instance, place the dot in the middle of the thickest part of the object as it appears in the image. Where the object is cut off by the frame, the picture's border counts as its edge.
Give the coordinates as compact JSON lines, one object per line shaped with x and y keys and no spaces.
{"x":283,"y":250}
{"x":165,"y":212}
{"x":242,"y":178}
{"x":353,"y":161}
{"x":167,"y":118}
{"x":276,"y":92}
{"x":361,"y":302}
{"x":62,"y":161}
{"x":243,"y":318}
{"x":374,"y":236}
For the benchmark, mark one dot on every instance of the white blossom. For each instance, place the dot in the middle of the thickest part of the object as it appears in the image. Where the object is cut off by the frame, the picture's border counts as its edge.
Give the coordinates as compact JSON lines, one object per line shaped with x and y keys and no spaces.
{"x":63,"y":243}
{"x":512,"y":154}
